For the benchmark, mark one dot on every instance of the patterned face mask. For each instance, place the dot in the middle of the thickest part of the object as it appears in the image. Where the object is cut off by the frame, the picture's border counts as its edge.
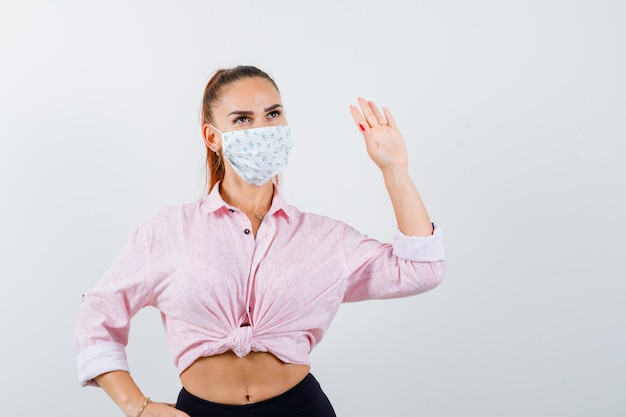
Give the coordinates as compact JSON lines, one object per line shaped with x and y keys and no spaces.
{"x":258,"y":154}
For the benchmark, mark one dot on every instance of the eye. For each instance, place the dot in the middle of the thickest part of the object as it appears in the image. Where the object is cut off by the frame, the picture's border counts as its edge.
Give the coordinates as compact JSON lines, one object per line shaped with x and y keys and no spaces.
{"x":241,"y":119}
{"x":273,"y":114}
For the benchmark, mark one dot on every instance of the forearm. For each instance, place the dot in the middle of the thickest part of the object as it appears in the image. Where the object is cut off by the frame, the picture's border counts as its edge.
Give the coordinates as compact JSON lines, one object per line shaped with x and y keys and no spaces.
{"x":121,"y":387}
{"x":411,"y":214}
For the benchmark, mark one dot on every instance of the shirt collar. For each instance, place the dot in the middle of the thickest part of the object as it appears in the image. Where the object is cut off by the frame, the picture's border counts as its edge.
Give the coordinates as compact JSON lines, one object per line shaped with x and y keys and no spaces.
{"x":214,"y":202}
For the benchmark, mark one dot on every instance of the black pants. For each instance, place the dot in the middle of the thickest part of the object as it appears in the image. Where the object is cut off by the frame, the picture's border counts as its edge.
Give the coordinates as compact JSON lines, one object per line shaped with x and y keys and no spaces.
{"x":304,"y":400}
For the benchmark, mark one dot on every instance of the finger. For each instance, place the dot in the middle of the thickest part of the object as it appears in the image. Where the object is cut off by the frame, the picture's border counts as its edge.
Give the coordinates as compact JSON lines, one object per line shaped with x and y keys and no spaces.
{"x":371,"y":118}
{"x":390,"y":120}
{"x":379,"y":116}
{"x":358,"y":118}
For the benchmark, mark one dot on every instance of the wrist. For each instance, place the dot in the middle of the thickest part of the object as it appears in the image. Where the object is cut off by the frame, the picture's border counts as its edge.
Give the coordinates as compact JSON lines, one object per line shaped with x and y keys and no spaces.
{"x":143,"y":406}
{"x":396,"y":173}
{"x":134,"y":407}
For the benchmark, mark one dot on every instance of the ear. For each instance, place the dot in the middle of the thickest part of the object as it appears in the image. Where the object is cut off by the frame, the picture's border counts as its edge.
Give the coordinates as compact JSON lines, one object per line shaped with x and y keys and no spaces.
{"x":212,"y":138}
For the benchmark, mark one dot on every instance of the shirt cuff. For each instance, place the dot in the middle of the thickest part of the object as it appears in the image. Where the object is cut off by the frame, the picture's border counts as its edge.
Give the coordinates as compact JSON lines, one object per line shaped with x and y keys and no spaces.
{"x":419,"y":248}
{"x":99,"y":359}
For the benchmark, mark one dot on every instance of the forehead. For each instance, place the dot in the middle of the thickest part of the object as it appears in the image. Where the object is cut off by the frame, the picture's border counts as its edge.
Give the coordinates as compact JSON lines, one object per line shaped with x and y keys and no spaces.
{"x":249,"y":94}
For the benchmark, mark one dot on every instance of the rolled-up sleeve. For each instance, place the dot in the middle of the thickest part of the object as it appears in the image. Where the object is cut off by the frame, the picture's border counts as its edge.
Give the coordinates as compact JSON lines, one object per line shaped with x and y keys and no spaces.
{"x":103,"y":323}
{"x":420,"y":248}
{"x":410,"y":266}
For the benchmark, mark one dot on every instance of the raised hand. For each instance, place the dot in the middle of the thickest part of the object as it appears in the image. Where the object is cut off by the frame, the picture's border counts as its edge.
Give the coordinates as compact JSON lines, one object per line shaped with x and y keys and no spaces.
{"x":383,"y":141}
{"x":387,"y":149}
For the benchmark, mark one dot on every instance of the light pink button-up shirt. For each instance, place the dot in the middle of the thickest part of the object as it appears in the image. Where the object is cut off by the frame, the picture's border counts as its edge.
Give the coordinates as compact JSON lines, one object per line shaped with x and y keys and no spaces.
{"x":218,"y":289}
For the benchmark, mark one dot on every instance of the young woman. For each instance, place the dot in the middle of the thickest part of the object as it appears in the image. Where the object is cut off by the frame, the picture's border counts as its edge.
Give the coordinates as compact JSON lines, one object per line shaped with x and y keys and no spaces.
{"x":247,"y":285}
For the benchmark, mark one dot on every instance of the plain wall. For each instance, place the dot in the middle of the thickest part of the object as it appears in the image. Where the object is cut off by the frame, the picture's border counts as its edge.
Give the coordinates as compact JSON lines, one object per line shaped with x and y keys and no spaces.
{"x":514,"y":117}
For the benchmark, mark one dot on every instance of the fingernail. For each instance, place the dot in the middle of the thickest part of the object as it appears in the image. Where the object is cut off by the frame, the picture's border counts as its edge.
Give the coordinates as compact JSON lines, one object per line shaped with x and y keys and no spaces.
{"x":362,"y":127}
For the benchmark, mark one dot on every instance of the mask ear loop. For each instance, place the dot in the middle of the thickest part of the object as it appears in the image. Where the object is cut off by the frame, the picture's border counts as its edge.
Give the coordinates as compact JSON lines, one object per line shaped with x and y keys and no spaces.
{"x":220,"y":132}
{"x":217,"y":151}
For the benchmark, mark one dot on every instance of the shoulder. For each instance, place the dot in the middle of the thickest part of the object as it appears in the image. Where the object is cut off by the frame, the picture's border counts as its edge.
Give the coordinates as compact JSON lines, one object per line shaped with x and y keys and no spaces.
{"x":304,"y":219}
{"x":174,"y":217}
{"x":317,"y":223}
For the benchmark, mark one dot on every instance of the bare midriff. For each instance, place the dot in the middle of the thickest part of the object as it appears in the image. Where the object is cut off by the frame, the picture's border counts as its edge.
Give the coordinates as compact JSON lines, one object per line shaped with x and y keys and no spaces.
{"x":229,"y":379}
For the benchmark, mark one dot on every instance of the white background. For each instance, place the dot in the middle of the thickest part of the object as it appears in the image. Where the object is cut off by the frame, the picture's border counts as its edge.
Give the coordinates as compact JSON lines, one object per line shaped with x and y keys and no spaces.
{"x":514,"y":115}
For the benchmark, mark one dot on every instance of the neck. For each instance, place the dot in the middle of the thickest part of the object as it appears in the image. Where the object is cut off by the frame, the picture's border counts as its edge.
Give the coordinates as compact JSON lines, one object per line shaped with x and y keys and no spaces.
{"x":248,"y":198}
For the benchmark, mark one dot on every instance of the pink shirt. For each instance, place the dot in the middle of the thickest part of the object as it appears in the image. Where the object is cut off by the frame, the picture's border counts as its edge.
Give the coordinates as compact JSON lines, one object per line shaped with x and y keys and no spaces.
{"x":218,"y":289}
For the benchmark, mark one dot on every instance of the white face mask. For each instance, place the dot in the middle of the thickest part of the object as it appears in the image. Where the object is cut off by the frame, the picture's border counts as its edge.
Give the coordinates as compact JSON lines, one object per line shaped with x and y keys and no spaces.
{"x":258,"y":154}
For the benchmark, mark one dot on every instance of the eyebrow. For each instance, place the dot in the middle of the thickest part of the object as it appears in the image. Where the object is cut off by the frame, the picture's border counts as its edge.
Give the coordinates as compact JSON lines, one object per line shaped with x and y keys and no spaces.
{"x":250,"y":112}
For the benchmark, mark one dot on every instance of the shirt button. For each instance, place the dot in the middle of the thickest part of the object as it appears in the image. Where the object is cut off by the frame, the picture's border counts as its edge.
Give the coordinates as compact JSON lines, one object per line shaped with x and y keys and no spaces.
{"x":231,"y":210}
{"x":247,"y":231}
